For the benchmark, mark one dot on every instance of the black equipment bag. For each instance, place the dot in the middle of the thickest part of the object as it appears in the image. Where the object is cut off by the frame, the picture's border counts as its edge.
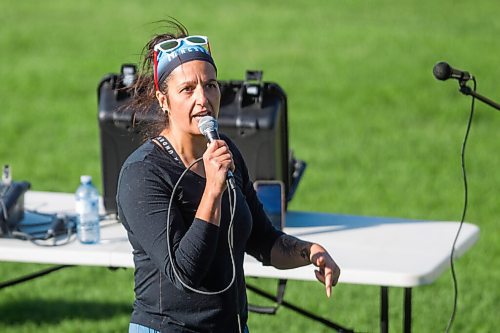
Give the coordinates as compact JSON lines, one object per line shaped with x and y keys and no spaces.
{"x":17,"y":222}
{"x":252,"y":113}
{"x":118,"y":134}
{"x":11,"y":206}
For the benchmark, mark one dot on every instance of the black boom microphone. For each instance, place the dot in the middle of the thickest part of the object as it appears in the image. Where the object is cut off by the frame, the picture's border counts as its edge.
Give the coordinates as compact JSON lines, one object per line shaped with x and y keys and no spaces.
{"x":209,"y":128}
{"x":443,"y":71}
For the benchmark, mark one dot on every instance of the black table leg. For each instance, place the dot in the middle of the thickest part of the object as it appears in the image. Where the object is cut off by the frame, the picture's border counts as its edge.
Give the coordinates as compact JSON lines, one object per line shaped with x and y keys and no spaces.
{"x":407,"y":309}
{"x":32,"y":276}
{"x":384,"y":309}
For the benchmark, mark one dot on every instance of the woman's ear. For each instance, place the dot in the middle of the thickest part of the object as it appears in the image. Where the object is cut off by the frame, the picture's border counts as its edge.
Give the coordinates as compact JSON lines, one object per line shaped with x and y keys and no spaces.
{"x":162,"y":100}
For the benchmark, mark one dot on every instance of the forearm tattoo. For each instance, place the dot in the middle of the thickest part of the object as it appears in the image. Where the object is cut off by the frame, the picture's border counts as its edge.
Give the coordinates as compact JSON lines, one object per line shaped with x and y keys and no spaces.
{"x":294,"y":248}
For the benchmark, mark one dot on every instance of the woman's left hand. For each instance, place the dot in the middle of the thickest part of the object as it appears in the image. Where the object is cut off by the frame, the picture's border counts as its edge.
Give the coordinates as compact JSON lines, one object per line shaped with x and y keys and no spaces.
{"x":328,"y":272}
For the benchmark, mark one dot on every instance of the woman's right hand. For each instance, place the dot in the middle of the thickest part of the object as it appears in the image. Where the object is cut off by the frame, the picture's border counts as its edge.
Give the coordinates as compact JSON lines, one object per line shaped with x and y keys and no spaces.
{"x":217,"y":160}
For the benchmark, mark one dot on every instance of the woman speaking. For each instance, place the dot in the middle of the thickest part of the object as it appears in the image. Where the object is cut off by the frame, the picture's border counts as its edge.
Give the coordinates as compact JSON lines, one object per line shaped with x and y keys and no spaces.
{"x":188,"y":229}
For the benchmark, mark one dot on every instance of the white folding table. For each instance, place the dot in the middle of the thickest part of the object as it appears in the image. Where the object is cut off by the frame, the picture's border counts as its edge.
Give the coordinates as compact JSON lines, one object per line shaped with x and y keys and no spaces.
{"x":386,"y":252}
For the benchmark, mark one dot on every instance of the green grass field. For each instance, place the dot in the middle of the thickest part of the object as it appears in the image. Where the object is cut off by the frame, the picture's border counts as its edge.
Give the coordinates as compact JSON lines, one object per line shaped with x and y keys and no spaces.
{"x":380,"y":135}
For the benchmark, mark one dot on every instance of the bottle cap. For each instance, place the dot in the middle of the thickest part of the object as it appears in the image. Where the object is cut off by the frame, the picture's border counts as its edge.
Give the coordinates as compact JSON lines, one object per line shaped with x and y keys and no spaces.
{"x":85,"y":179}
{"x":6,"y":175}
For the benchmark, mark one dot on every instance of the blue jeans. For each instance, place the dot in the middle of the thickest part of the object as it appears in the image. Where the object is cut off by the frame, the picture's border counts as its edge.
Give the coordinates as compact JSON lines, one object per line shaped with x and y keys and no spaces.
{"x":136,"y":328}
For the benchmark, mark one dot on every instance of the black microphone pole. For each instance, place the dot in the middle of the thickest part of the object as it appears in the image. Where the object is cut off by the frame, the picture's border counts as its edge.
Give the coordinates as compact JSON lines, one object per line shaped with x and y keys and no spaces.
{"x":464,"y":89}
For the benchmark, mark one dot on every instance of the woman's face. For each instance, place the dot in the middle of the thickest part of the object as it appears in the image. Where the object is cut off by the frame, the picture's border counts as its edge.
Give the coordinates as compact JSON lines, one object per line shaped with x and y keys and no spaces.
{"x":193,"y":92}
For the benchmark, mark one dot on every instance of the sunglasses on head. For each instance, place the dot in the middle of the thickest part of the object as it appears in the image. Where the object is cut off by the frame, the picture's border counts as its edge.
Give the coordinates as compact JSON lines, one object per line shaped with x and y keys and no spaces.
{"x":173,"y":44}
{"x":169,"y":46}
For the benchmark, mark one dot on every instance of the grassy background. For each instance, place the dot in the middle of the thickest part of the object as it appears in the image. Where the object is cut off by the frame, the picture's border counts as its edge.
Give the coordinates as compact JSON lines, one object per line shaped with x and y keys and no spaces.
{"x":380,"y":135}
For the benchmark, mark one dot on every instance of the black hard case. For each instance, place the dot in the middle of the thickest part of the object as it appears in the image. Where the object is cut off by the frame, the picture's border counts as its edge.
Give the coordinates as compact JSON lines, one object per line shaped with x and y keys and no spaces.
{"x":252,"y":113}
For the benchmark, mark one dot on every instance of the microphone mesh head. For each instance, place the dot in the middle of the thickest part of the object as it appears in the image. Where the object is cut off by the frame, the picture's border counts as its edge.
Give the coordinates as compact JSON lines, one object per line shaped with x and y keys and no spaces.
{"x":442,"y":71}
{"x":207,"y":123}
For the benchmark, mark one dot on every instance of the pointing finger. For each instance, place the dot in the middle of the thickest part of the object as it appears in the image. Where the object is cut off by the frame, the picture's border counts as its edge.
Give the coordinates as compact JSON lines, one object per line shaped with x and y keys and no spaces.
{"x":328,"y":282}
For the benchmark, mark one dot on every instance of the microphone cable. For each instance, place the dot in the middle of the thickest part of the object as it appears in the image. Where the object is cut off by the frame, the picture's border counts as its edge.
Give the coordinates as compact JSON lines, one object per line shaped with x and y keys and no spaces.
{"x":464,"y":211}
{"x":229,"y":238}
{"x":232,"y":210}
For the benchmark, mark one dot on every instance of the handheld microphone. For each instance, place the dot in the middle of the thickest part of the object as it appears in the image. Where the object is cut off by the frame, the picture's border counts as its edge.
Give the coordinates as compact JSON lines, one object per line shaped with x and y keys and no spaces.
{"x":443,"y":71}
{"x":209,"y":128}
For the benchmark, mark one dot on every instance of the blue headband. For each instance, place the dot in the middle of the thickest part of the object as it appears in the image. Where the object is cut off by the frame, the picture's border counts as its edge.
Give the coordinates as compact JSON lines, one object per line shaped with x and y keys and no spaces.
{"x":168,"y":61}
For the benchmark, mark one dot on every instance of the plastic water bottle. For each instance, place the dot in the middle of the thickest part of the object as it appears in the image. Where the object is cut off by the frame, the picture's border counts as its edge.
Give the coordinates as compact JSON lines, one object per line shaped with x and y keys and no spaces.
{"x":87,"y":210}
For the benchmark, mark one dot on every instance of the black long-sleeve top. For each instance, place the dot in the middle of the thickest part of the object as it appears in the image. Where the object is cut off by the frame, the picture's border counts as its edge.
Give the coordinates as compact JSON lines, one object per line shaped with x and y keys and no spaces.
{"x":200,"y":249}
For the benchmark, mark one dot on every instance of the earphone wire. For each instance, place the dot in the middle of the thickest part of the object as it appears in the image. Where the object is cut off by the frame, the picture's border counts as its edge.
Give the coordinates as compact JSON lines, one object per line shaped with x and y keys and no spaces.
{"x":230,"y":232}
{"x":464,"y":211}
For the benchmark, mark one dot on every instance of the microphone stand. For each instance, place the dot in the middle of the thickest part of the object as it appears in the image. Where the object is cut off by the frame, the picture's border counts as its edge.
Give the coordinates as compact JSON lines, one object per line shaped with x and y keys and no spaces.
{"x":464,"y":89}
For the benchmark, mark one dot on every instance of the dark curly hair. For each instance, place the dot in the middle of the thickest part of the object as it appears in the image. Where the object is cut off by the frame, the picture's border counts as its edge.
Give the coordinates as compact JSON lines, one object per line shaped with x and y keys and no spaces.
{"x":143,"y":102}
